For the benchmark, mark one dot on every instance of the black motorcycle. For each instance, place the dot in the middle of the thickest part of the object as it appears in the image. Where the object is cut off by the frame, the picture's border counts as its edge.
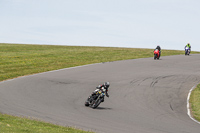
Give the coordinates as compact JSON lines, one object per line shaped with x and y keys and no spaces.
{"x":95,"y":100}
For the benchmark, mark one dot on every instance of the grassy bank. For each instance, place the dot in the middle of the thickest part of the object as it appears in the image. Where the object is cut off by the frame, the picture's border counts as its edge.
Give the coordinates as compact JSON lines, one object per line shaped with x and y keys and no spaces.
{"x":11,"y":124}
{"x":195,"y":102}
{"x":19,"y":60}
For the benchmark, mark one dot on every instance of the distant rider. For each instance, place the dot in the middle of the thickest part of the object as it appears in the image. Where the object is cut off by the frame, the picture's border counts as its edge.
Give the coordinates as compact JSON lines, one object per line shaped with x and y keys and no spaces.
{"x":189,"y":46}
{"x":103,"y":88}
{"x":159,"y":48}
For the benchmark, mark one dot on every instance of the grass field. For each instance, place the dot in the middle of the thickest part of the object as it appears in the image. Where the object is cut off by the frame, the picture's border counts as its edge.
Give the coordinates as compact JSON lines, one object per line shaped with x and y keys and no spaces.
{"x":195,"y":102}
{"x":12,"y":124}
{"x":19,"y":60}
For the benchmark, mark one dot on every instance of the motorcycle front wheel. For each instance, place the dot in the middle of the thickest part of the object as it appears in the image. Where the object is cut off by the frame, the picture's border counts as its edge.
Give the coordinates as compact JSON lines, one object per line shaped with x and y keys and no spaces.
{"x":96,"y":104}
{"x":155,"y":56}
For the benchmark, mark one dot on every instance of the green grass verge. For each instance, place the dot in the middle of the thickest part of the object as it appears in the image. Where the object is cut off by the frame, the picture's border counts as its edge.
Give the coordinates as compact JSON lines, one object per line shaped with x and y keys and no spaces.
{"x":20,"y":59}
{"x":195,"y":102}
{"x":12,"y":124}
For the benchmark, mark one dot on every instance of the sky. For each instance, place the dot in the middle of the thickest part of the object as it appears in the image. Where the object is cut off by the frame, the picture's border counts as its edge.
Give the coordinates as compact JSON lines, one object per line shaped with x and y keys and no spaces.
{"x":110,"y":23}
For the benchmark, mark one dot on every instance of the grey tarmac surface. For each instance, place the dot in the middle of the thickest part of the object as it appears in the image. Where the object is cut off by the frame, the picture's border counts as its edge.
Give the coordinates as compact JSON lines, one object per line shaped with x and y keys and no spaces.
{"x":146,"y":96}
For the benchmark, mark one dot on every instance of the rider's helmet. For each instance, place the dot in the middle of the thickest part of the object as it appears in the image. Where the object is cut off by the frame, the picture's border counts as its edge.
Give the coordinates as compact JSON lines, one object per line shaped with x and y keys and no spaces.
{"x":188,"y":44}
{"x":106,"y":84}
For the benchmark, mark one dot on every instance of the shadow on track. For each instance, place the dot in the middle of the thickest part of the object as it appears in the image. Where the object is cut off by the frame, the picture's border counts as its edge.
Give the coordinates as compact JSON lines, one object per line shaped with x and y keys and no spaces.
{"x":103,"y":108}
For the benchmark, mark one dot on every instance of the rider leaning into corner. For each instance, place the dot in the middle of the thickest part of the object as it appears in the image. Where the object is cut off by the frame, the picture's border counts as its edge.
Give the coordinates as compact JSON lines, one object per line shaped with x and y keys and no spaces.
{"x":159,"y":48}
{"x":104,"y":88}
{"x":189,"y":46}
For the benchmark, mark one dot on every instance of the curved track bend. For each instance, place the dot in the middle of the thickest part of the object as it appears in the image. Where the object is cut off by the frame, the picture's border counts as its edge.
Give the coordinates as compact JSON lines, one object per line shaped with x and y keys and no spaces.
{"x":146,"y":96}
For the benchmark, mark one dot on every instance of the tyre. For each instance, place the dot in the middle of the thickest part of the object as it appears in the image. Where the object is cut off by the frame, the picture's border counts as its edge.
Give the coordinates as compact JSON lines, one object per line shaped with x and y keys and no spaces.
{"x":86,"y":103}
{"x":96,"y":104}
{"x":155,"y":56}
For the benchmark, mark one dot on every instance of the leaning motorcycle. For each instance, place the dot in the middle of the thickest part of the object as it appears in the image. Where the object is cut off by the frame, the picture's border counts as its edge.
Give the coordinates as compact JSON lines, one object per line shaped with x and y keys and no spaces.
{"x":156,"y":54}
{"x":95,"y":100}
{"x":187,"y":51}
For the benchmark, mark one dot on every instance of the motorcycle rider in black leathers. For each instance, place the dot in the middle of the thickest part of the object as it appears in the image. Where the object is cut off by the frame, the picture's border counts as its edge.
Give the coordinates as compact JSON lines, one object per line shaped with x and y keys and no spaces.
{"x":159,"y":48}
{"x":103,"y":88}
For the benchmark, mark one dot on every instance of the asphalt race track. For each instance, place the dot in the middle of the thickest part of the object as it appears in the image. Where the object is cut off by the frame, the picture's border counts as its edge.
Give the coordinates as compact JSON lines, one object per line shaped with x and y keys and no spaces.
{"x":146,"y":96}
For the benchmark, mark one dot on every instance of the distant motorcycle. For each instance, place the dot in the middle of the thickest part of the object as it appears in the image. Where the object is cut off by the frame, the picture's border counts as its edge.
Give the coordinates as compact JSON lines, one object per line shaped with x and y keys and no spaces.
{"x":156,"y":54}
{"x":187,"y":51}
{"x":95,"y":100}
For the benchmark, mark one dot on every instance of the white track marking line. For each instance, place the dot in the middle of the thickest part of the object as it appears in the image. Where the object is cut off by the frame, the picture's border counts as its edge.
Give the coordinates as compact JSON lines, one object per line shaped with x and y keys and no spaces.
{"x":188,"y":105}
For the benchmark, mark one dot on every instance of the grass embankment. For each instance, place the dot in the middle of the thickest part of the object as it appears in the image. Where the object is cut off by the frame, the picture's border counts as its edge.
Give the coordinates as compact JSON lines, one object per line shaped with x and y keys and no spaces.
{"x":195,"y":102}
{"x":19,"y":60}
{"x":12,"y":124}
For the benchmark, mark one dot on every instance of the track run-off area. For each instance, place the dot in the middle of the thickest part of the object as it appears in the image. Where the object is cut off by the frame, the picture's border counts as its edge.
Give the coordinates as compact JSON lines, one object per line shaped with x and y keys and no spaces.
{"x":146,"y":96}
